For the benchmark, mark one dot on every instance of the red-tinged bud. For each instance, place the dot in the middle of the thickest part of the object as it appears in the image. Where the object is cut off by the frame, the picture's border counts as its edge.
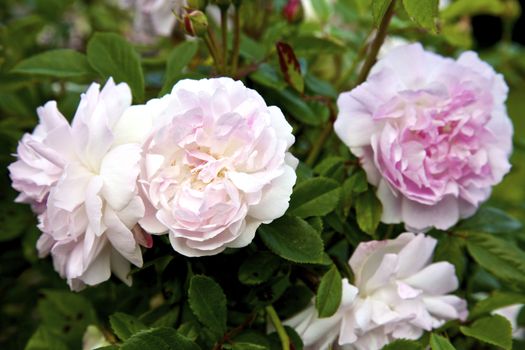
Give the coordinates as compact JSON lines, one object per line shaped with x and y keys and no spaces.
{"x":196,"y":23}
{"x":293,"y":11}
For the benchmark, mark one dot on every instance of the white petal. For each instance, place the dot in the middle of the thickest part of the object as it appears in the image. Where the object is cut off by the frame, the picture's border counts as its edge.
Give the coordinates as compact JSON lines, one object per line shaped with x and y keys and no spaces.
{"x":122,"y":238}
{"x":246,"y":237}
{"x":415,"y":255}
{"x":275,"y":200}
{"x":437,"y":278}
{"x":120,"y":169}
{"x":70,"y":191}
{"x":134,"y":126}
{"x":98,"y":270}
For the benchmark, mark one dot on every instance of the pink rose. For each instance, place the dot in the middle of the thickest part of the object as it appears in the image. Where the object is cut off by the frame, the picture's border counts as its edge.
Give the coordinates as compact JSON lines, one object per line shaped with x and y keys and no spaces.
{"x":398,"y":294}
{"x":41,"y":157}
{"x":401,"y":293}
{"x":93,"y":207}
{"x":216,"y":166}
{"x":432,"y":133}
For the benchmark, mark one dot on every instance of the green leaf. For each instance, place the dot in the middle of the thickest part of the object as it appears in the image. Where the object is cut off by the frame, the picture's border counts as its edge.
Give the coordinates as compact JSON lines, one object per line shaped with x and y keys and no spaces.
{"x":190,"y":330}
{"x":295,"y":338}
{"x":423,"y":12}
{"x":14,"y":220}
{"x":317,"y":223}
{"x":295,"y":299}
{"x":61,"y":63}
{"x":322,"y":9}
{"x":438,"y":342}
{"x":258,"y":268}
{"x":125,"y":325}
{"x":43,"y":339}
{"x":290,"y":66}
{"x":251,"y":336}
{"x":496,"y":301}
{"x":318,"y":86}
{"x":461,"y":8}
{"x":332,"y":167}
{"x":329,"y":293}
{"x":15,"y":106}
{"x":162,"y":338}
{"x":113,"y":56}
{"x":491,"y":220}
{"x":314,"y":197}
{"x":251,"y":49}
{"x":66,"y":315}
{"x":368,"y":211}
{"x":357,"y":182}
{"x":293,"y":239}
{"x":379,"y":8}
{"x":403,"y":344}
{"x":299,"y":109}
{"x":248,"y":346}
{"x":457,"y":34}
{"x":178,"y":58}
{"x":501,"y":258}
{"x":208,"y":303}
{"x":313,"y":45}
{"x":495,"y":330}
{"x":267,"y":76}
{"x":268,"y":293}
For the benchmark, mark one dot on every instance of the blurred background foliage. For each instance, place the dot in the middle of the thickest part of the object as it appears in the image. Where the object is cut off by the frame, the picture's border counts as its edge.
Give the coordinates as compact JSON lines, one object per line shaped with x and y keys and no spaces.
{"x":329,"y":45}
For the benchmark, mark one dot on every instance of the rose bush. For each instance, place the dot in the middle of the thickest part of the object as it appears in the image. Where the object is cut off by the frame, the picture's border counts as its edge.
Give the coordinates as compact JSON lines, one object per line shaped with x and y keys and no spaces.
{"x":253,"y":167}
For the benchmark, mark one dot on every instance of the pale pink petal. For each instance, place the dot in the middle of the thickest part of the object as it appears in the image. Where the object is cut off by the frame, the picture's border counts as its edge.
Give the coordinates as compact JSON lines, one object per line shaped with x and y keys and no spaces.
{"x":437,"y":278}
{"x":120,"y":169}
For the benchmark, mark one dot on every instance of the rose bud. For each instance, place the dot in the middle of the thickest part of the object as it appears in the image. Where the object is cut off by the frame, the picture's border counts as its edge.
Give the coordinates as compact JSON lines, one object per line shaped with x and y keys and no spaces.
{"x":196,"y":23}
{"x":293,"y":11}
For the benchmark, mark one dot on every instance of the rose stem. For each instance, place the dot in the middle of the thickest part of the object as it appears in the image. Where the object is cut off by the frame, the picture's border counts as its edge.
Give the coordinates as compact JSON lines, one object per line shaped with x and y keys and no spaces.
{"x":213,"y":50}
{"x":376,"y":44}
{"x":213,"y":45}
{"x":285,"y":341}
{"x":224,"y":32}
{"x":236,"y":39}
{"x":367,"y":66}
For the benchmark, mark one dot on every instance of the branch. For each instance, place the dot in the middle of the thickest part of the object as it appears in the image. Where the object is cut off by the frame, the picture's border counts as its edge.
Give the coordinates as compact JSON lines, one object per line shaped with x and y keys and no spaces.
{"x":376,"y":44}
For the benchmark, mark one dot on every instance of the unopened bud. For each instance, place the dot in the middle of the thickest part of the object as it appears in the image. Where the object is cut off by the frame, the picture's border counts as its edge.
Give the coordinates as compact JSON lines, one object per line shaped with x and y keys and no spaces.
{"x":197,"y":4}
{"x":196,"y":23}
{"x":293,"y":11}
